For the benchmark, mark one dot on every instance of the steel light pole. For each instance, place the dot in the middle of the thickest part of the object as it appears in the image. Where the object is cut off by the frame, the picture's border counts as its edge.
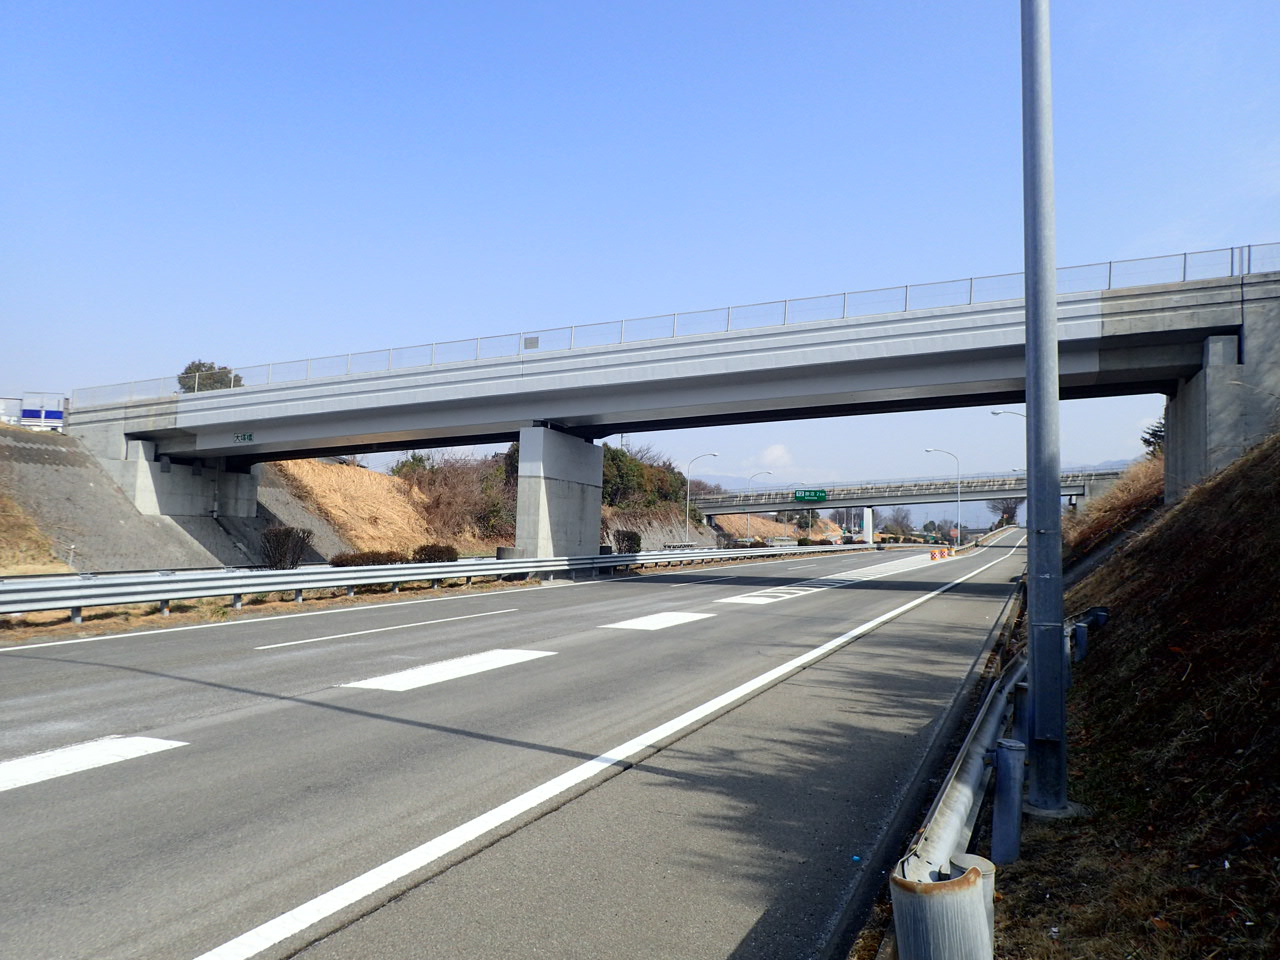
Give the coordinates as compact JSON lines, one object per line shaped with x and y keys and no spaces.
{"x":1047,"y":750}
{"x":957,"y":460}
{"x":762,"y":473}
{"x":688,"y":489}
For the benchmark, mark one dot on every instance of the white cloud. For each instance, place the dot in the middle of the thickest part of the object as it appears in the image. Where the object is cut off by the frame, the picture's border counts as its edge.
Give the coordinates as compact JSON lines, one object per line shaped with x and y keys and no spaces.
{"x":776,"y":455}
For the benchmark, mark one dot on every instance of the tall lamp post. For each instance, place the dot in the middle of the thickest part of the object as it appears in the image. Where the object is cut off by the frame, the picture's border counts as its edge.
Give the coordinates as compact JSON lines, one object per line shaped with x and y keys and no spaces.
{"x":762,"y":473}
{"x":688,"y":491}
{"x":957,"y":460}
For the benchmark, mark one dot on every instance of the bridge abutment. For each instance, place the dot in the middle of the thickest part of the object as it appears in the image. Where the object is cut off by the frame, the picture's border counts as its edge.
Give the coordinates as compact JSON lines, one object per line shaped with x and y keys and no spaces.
{"x":560,"y":478}
{"x":159,"y":487}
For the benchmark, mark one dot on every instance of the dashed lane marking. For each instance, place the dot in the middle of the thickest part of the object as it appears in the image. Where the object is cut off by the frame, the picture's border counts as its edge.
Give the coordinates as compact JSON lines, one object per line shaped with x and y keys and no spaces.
{"x":449,"y":670}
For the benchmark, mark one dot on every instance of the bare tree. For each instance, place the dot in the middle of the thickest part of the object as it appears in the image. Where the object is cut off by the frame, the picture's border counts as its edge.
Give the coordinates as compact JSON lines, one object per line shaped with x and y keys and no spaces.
{"x":1006,"y":508}
{"x":897,"y":522}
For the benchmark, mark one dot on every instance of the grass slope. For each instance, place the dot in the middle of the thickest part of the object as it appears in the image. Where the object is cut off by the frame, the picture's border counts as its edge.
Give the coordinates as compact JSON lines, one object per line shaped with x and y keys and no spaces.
{"x":1174,"y":745}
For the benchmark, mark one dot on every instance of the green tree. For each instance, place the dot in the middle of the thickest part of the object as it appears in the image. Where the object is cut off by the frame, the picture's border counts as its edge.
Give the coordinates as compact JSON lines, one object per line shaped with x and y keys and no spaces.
{"x":415,"y":462}
{"x":898,"y":522}
{"x":1153,"y":439}
{"x":201,"y":375}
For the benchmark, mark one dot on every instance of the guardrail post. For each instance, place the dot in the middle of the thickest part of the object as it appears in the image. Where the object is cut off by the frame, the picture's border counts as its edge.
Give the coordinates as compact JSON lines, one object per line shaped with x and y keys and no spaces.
{"x":1021,"y":711}
{"x":351,"y":590}
{"x":164,"y":608}
{"x":297,"y":595}
{"x":943,"y":920}
{"x":77,"y":615}
{"x":1006,"y":809}
{"x":237,"y":601}
{"x":1080,"y":634}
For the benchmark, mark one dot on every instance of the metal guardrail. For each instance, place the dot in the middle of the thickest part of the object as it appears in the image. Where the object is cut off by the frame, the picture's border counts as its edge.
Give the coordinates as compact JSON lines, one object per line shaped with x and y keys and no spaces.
{"x":1172,"y":268}
{"x":27,"y":594}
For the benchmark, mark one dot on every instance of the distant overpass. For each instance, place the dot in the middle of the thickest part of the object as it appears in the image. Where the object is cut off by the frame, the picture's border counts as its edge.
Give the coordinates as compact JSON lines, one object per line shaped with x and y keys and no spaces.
{"x":882,"y":493}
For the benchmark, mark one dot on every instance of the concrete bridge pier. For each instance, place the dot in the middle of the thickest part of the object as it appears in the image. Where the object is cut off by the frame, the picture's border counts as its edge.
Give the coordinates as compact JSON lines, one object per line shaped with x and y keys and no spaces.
{"x":869,"y":524}
{"x":560,"y":479}
{"x":1233,"y":402}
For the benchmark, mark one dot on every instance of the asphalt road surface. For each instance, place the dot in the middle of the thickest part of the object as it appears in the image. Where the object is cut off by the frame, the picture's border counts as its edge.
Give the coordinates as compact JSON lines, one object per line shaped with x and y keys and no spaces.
{"x":701,"y":763}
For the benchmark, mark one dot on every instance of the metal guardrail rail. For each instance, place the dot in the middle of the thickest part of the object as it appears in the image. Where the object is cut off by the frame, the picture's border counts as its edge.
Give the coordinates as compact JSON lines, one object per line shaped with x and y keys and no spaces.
{"x":75,"y":592}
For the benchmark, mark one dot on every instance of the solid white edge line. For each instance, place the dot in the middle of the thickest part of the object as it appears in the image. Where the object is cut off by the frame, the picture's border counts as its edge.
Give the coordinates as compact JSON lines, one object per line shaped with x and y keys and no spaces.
{"x":313,"y":911}
{"x":399,"y":626}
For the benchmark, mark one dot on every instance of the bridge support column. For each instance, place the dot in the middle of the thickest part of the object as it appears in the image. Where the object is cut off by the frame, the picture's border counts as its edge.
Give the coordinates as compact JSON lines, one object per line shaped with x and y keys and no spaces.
{"x":558,"y":495}
{"x":1233,"y":403}
{"x":869,"y":525}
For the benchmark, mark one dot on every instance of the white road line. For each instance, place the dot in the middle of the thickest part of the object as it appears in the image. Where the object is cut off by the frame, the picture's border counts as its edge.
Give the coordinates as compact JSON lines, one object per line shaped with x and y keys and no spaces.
{"x":696,"y":582}
{"x":802,"y":566}
{"x":398,"y":626}
{"x":774,"y":594}
{"x":313,"y":911}
{"x":449,"y":670}
{"x":77,"y":757}
{"x":657,"y":621}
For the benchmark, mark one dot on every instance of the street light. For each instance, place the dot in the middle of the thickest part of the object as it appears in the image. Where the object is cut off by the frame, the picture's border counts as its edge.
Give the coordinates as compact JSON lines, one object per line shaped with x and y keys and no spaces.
{"x":688,"y":484}
{"x":957,"y":460}
{"x":996,"y":413}
{"x":762,"y":473}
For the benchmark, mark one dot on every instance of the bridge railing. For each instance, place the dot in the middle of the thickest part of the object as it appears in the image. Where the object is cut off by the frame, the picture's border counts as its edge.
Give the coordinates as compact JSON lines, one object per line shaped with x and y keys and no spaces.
{"x":1172,"y":268}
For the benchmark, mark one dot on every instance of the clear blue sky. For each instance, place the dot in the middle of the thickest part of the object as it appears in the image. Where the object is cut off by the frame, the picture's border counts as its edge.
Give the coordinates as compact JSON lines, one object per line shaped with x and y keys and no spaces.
{"x":253,"y":182}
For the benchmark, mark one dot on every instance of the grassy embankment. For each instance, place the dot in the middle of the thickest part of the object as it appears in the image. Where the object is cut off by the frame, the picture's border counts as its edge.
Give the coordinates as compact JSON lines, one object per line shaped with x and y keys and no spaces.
{"x":1174,"y":726}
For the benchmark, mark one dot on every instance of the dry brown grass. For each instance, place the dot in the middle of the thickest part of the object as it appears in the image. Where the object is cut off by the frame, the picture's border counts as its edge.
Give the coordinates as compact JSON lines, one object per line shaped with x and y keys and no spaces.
{"x":1138,"y":492}
{"x":762,"y":526}
{"x":24,"y":549}
{"x":1174,"y":745}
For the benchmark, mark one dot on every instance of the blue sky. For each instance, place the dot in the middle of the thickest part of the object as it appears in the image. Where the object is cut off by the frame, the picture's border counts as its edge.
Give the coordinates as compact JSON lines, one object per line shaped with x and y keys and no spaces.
{"x":255,"y":182}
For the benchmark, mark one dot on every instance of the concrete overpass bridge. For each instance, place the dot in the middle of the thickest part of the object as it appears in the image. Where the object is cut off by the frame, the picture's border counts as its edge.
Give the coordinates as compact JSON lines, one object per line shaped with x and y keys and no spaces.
{"x":1208,"y":338}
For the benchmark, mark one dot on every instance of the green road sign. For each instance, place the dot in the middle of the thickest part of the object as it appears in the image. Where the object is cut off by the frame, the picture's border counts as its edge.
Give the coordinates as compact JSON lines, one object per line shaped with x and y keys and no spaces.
{"x":811,"y":496}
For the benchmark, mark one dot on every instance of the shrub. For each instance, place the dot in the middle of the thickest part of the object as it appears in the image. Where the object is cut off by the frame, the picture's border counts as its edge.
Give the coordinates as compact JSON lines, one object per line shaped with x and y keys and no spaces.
{"x":803,"y":542}
{"x":824,"y":542}
{"x":435,"y":553}
{"x":367,"y":558}
{"x":283,"y":547}
{"x":626,"y":541}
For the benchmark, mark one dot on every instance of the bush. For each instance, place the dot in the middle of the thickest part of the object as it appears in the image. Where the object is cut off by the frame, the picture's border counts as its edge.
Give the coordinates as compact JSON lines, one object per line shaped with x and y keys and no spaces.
{"x":367,"y":558}
{"x":283,"y":547}
{"x":803,"y":542}
{"x":435,"y":553}
{"x":626,"y":541}
{"x":824,"y":542}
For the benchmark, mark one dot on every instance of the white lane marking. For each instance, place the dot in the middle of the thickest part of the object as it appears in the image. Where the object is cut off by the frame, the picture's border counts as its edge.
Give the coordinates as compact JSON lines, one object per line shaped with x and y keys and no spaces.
{"x":313,"y":911}
{"x":694,"y":583}
{"x":398,"y":626}
{"x":774,"y":594}
{"x":803,"y":566}
{"x":77,"y":757}
{"x":657,"y":621}
{"x":449,"y":669}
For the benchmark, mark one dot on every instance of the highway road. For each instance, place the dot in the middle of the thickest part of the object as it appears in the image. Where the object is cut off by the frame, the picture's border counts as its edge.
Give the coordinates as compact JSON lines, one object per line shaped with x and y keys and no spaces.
{"x":245,"y":789}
